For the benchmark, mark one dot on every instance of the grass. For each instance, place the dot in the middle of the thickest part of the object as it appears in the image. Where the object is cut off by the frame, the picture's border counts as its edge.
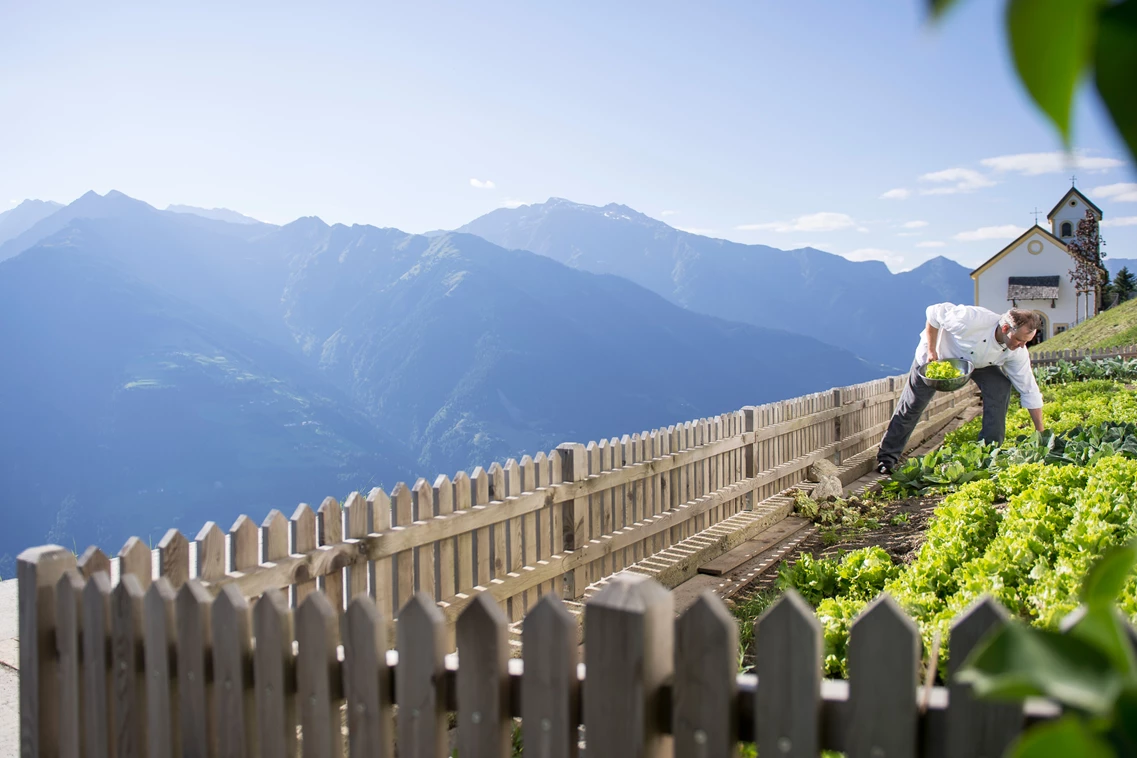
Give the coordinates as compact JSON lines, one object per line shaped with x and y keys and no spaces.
{"x":1116,"y":327}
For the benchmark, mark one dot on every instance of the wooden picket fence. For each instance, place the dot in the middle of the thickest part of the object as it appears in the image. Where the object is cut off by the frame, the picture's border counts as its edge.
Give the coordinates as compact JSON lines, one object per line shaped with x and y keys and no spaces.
{"x":507,"y":537}
{"x":553,"y":523}
{"x":1049,"y":357}
{"x":158,"y":672}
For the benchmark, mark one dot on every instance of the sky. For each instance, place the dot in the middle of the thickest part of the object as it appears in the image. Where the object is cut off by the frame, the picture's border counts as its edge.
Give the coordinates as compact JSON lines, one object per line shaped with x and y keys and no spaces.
{"x":857,"y":128}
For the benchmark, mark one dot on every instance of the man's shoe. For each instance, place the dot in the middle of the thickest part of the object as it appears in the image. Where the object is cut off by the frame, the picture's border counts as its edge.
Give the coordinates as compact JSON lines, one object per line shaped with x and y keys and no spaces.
{"x":884,"y":469}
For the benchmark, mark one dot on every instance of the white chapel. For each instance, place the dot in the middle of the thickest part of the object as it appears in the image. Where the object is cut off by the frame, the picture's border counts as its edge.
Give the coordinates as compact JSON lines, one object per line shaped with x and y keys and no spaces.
{"x":1033,"y":271}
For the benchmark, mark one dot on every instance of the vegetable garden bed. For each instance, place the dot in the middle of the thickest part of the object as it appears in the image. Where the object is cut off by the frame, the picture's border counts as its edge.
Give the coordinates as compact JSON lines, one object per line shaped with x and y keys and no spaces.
{"x":1022,"y":522}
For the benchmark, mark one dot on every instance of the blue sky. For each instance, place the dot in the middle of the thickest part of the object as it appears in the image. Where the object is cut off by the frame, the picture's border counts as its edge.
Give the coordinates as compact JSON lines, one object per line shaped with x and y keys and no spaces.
{"x":764,"y":122}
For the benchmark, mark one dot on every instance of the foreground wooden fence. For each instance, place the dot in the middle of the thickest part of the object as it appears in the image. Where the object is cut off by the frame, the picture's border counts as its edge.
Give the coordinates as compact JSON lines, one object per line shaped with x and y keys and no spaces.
{"x":1048,"y":357}
{"x":157,"y":672}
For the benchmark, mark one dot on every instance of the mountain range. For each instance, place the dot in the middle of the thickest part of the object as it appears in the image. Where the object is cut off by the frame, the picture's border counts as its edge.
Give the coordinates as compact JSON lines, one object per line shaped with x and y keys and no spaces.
{"x":859,"y":306}
{"x":171,"y":368}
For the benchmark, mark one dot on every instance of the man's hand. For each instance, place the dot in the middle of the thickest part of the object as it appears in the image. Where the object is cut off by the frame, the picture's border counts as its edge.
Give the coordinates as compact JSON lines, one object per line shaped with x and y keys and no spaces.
{"x":932,"y":334}
{"x":932,"y":354}
{"x":1036,"y":417}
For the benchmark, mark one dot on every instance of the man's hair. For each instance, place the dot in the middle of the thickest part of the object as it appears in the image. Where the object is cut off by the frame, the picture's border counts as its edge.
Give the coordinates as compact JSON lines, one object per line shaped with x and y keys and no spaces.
{"x":1017,"y":318}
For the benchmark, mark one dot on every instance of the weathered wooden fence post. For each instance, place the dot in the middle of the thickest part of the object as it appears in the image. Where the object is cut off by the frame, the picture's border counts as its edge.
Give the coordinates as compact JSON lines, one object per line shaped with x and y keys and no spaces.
{"x":750,"y":469}
{"x":838,"y":396}
{"x":420,"y":680}
{"x":787,"y":710}
{"x":977,"y":729}
{"x":884,"y":657}
{"x":39,"y":570}
{"x":629,"y":631}
{"x":574,"y":468}
{"x":549,"y":683}
{"x":703,"y":714}
{"x":483,"y":680}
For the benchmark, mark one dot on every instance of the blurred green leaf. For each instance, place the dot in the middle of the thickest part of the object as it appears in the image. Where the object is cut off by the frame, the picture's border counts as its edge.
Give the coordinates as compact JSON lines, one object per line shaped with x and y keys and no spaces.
{"x":1051,"y":42}
{"x":1115,"y":64}
{"x":1102,"y":628}
{"x":1018,"y":661}
{"x":1108,"y":576}
{"x":1068,"y":736}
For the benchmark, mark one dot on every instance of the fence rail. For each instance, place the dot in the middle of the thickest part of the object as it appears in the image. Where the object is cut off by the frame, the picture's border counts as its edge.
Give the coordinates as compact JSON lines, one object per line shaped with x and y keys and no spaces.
{"x":1048,"y":357}
{"x":163,"y":672}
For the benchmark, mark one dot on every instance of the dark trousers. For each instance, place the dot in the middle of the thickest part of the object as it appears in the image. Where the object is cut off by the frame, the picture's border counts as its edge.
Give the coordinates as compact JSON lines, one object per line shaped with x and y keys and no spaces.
{"x":994,"y":387}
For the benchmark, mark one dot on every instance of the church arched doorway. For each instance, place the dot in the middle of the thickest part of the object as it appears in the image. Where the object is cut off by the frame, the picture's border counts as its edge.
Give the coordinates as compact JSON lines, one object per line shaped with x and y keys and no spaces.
{"x":1043,"y":330}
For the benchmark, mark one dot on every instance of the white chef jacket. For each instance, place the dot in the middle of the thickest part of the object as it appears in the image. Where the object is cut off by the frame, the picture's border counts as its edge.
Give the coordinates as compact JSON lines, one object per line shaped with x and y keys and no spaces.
{"x":968,"y":332}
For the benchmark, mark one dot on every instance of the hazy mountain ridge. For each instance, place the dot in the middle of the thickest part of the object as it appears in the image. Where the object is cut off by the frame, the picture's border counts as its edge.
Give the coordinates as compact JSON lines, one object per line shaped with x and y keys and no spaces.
{"x":860,"y":306}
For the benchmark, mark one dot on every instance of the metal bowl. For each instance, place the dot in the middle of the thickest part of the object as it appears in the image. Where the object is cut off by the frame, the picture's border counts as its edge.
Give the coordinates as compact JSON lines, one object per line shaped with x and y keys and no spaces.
{"x":948,"y":385}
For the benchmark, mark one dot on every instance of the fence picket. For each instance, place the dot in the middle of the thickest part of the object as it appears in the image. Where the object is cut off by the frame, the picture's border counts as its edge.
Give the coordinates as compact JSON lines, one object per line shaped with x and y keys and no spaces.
{"x":195,"y":691}
{"x":242,"y":544}
{"x":528,"y":540}
{"x":316,"y":662}
{"x":134,"y":559}
{"x":275,"y":701}
{"x":370,"y":722}
{"x":382,"y":571}
{"x":976,"y":728}
{"x":499,"y":547}
{"x":402,"y":506}
{"x":480,"y":492}
{"x":419,"y":680}
{"x":629,"y":626}
{"x":787,"y":652}
{"x":329,"y":531}
{"x":556,"y":522}
{"x":515,"y":537}
{"x":422,"y":495}
{"x":98,"y":690}
{"x":129,"y":677}
{"x":68,"y":617}
{"x":550,"y":689}
{"x":210,"y":550}
{"x":884,"y":657}
{"x":173,"y":558}
{"x":357,"y":517}
{"x":463,"y":498}
{"x":234,"y":700}
{"x":302,"y":539}
{"x":161,"y":648}
{"x":444,"y":548}
{"x":706,"y":665}
{"x":92,"y":561}
{"x":483,"y":680}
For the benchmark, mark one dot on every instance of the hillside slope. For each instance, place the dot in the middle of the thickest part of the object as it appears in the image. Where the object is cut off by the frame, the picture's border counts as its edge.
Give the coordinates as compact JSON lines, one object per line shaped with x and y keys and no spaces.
{"x":1116,"y":327}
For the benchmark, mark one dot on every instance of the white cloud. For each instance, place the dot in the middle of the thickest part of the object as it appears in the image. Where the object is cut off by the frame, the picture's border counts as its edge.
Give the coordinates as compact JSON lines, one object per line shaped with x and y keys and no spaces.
{"x":1034,"y":164}
{"x":896,"y":194}
{"x":930,"y":243}
{"x":889,"y":258}
{"x":908,"y":234}
{"x":914,"y":224}
{"x":955,"y":180}
{"x":1123,"y":221}
{"x":478,"y":184}
{"x":14,"y":202}
{"x":1123,"y":192}
{"x":813,"y":222}
{"x":511,"y":202}
{"x":862,"y":229}
{"x":1004,"y":232}
{"x":665,"y":214}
